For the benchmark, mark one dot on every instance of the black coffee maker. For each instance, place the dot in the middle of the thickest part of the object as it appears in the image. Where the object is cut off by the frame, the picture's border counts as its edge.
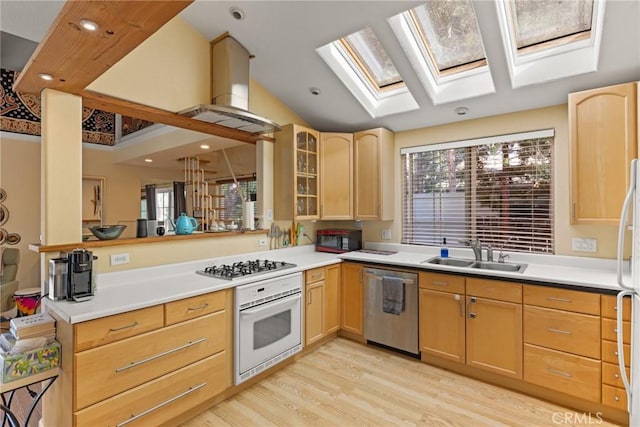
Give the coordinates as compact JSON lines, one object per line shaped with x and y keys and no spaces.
{"x":81,"y":275}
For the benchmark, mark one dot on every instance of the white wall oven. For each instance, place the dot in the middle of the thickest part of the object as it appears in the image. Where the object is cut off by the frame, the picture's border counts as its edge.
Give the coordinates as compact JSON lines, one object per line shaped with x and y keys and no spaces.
{"x":267,"y":324}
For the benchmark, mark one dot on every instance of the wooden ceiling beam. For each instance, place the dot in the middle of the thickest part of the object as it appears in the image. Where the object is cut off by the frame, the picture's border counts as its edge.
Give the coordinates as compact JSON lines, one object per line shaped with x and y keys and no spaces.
{"x":75,"y":57}
{"x":128,"y":108}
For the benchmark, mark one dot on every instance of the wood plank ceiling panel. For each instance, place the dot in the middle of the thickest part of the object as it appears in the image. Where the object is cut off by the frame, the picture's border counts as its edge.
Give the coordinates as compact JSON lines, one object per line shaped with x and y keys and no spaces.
{"x":76,"y":57}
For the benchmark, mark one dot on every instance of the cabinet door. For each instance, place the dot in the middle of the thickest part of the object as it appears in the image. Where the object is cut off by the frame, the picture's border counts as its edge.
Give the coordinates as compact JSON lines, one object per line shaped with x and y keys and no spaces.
{"x":373,"y":171}
{"x":352,"y":298}
{"x":336,"y":176}
{"x":603,"y":138}
{"x":442,"y":324}
{"x":332,"y":299}
{"x":313,"y":312}
{"x":494,"y":336}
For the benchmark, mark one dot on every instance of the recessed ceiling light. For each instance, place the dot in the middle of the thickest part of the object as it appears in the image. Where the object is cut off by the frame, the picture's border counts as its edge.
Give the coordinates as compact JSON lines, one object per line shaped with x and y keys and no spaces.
{"x":314,"y":91}
{"x":88,"y":25}
{"x":204,"y":146}
{"x":461,"y":111}
{"x":237,"y":13}
{"x":148,"y":160}
{"x":45,"y":76}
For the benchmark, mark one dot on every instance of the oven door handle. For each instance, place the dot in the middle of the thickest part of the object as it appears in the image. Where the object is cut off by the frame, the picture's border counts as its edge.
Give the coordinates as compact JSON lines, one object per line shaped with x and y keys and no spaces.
{"x":271,"y":305}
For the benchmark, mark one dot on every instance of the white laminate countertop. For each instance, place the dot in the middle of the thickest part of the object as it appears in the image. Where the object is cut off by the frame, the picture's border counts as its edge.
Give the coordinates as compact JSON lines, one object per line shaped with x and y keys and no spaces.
{"x":580,"y":272}
{"x":127,"y":290}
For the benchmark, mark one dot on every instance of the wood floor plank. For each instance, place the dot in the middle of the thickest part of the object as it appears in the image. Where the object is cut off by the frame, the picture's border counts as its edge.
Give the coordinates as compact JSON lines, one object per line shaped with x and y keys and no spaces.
{"x":346,"y":384}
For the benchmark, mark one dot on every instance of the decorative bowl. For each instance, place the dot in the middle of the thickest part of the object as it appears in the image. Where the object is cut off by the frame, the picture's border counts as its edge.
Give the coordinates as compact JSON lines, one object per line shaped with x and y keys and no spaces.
{"x":107,"y":232}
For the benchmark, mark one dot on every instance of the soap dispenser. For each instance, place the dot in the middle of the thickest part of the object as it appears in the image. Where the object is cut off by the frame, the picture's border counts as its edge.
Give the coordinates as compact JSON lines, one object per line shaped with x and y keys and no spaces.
{"x":444,"y":251}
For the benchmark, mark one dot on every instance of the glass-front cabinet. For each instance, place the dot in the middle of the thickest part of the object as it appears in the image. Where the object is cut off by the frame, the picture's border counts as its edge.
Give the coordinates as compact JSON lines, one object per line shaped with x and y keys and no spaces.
{"x":296,"y":173}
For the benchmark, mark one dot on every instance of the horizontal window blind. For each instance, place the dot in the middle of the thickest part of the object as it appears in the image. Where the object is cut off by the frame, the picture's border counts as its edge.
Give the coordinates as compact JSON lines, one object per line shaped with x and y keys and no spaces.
{"x":229,"y":198}
{"x":498,"y":190}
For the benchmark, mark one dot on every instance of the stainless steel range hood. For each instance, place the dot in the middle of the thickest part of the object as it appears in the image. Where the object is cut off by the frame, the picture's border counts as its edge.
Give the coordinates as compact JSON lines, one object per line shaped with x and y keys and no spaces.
{"x":230,"y":74}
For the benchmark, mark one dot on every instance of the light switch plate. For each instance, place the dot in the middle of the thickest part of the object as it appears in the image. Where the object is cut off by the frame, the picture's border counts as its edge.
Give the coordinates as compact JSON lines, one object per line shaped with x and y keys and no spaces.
{"x":582,"y":244}
{"x":119,"y":259}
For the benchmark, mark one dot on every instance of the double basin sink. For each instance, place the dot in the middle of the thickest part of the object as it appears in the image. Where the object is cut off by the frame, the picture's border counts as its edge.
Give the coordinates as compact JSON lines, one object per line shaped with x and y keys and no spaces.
{"x":481,"y":265}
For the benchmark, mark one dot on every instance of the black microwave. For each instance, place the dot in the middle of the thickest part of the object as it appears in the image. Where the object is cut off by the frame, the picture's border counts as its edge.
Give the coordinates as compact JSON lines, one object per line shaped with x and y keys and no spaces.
{"x":338,"y":240}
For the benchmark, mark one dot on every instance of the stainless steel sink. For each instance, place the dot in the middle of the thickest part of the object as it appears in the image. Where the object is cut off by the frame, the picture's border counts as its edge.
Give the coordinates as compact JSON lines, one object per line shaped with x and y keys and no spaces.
{"x":499,"y":266}
{"x":453,"y":262}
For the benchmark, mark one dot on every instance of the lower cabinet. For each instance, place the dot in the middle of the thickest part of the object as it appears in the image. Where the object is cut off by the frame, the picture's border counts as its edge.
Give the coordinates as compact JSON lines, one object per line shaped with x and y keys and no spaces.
{"x":352,"y":298}
{"x":494,"y":326}
{"x":322,"y":296}
{"x":613,"y":392}
{"x":143,"y":367}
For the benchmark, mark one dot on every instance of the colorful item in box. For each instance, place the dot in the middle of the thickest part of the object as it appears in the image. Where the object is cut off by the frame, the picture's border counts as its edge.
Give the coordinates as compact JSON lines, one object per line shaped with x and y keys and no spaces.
{"x":17,"y":366}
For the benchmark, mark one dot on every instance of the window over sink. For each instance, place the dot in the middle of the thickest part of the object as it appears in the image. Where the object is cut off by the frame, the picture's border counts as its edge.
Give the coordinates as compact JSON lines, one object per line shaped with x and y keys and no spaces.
{"x":496,"y":189}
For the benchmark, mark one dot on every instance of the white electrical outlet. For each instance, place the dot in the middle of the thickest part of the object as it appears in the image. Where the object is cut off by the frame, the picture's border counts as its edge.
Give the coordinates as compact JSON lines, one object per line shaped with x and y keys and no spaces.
{"x":118,"y":259}
{"x":269,"y":215}
{"x":386,"y":234}
{"x":581,"y":244}
{"x":262,"y":242}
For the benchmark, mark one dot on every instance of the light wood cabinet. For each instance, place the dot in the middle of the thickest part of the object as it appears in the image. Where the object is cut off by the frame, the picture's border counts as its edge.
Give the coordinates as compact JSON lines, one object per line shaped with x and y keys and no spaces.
{"x":336,"y":176}
{"x":144,"y":367}
{"x":296,"y":169}
{"x":603,"y":139}
{"x":332,"y":298}
{"x":322,"y":302}
{"x":442,"y":324}
{"x":352,"y":314}
{"x":374,"y":174}
{"x":494,"y":335}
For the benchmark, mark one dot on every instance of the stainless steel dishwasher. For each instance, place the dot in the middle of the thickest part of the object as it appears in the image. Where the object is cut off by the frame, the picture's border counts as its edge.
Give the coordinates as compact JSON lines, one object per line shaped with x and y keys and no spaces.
{"x":391,"y":309}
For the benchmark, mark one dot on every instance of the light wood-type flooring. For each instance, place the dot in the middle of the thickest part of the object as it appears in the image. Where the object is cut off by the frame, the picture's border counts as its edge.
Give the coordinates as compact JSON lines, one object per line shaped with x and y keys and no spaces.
{"x":344,"y":384}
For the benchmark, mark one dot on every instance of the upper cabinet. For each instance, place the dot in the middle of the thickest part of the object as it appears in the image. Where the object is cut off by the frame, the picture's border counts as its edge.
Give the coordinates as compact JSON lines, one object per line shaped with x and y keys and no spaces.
{"x":296,"y":173}
{"x":603,"y":137}
{"x":373,"y":174}
{"x":336,"y":176}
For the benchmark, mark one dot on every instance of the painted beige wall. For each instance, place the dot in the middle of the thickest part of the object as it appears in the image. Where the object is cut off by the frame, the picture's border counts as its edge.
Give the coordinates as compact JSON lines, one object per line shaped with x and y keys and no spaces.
{"x":20,"y":178}
{"x":169,"y":70}
{"x":555,"y":117}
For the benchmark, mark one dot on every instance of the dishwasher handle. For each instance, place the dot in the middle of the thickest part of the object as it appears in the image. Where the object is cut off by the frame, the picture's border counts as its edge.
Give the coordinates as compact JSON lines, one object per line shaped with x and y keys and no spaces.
{"x":374,"y":276}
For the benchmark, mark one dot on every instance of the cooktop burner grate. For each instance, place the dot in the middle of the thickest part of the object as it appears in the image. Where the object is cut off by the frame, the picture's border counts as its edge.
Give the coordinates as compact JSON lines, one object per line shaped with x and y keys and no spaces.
{"x":244,"y":268}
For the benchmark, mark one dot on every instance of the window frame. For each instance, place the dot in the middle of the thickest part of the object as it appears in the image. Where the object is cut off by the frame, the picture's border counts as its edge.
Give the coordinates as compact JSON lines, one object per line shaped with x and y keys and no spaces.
{"x":471,"y":200}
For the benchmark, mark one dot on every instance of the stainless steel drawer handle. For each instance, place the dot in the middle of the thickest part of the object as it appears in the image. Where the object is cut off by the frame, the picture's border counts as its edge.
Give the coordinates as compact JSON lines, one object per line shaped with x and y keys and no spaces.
{"x":439,"y":283}
{"x":200,"y":307}
{"x":129,"y":326}
{"x":562,"y":374}
{"x":617,"y":399}
{"x":160,"y":405}
{"x":159,"y":355}
{"x":558,"y":299}
{"x":559,"y":331}
{"x":616,"y":376}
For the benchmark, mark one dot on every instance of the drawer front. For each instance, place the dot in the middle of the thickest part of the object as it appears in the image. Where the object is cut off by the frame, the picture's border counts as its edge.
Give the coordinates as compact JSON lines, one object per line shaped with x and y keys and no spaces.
{"x":574,"y":375}
{"x":614,"y":396}
{"x":611,"y":374}
{"x":190,"y":308}
{"x":610,"y":307}
{"x":610,"y":352}
{"x":609,"y":328}
{"x":562,"y":330}
{"x":105,"y":330}
{"x":108,"y":370}
{"x":314,"y":275}
{"x":494,"y":289}
{"x":171,"y":394}
{"x":563,"y":299}
{"x":442,"y":282}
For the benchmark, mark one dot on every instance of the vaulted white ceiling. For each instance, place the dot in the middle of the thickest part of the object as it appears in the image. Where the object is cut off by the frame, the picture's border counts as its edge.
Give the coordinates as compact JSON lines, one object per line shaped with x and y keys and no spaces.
{"x":284,"y":36}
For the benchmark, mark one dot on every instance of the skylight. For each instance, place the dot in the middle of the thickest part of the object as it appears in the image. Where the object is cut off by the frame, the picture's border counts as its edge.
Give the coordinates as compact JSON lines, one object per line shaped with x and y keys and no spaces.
{"x":363,"y":65}
{"x":442,"y":40}
{"x":547,"y":40}
{"x":372,"y":59}
{"x":543,"y":21}
{"x":450,"y":31}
